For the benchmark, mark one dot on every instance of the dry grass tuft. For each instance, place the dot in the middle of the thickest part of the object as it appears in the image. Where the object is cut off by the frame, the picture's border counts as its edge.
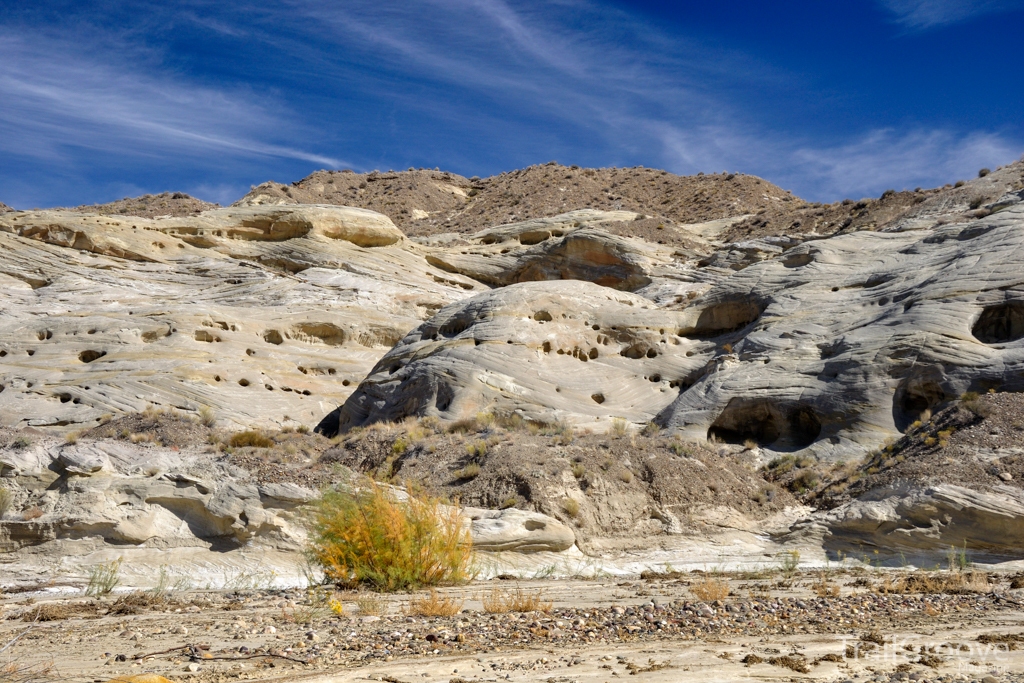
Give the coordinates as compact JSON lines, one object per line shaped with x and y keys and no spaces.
{"x":369,"y":538}
{"x":498,"y":601}
{"x":952,"y":583}
{"x":207,"y":417}
{"x":370,"y":604}
{"x":470,"y":471}
{"x":250,"y":439}
{"x":824,"y":588}
{"x":434,"y":605}
{"x":710,"y":588}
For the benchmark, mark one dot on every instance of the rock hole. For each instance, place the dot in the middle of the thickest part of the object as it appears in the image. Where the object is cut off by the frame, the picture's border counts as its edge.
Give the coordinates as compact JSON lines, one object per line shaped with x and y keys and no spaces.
{"x":593,"y":354}
{"x":542,"y":316}
{"x":64,"y":398}
{"x":345,"y":382}
{"x":44,"y":335}
{"x":916,"y":395}
{"x":330,"y":371}
{"x":636,"y":351}
{"x":729,"y":316}
{"x":273,"y":337}
{"x":31,"y":352}
{"x":243,"y":382}
{"x":598,"y":398}
{"x":1000,"y":323}
{"x":250,"y":352}
{"x":453,"y":328}
{"x":655,"y":377}
{"x":90,"y":356}
{"x":216,"y":378}
{"x":651,"y":353}
{"x":546,"y":346}
{"x":443,"y":399}
{"x":769,"y":423}
{"x":797,"y":260}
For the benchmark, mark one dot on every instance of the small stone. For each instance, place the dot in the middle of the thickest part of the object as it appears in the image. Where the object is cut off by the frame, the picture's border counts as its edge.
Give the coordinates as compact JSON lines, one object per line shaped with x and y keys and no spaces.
{"x":193,"y":667}
{"x":1005,"y":476}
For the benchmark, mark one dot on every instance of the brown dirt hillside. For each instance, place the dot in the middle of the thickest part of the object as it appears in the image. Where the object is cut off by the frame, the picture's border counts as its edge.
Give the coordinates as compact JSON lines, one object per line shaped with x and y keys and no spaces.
{"x":603,"y":485}
{"x":150,"y":206}
{"x":424,"y":202}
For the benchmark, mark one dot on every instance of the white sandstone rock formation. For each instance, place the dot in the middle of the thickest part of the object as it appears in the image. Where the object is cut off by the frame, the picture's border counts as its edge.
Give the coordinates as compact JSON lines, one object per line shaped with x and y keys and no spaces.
{"x":270,"y":315}
{"x":831,"y":345}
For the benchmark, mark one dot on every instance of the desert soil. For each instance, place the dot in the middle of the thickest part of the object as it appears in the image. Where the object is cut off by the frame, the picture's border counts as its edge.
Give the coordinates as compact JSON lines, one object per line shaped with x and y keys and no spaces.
{"x":772,"y":626}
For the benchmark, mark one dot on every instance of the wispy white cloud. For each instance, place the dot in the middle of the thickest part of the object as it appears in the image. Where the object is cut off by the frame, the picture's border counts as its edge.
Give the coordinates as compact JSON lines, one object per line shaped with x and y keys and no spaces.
{"x":885,"y":159}
{"x":519,"y":82}
{"x":924,"y":14}
{"x":63,"y":94}
{"x":644,"y":94}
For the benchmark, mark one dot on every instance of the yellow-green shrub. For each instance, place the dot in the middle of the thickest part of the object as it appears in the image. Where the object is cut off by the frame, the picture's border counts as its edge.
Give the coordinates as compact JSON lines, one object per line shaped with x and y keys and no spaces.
{"x":370,"y":538}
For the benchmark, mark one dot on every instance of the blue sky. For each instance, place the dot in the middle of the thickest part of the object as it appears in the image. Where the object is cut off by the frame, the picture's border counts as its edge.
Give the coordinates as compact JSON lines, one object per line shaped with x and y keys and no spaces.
{"x":101,"y":100}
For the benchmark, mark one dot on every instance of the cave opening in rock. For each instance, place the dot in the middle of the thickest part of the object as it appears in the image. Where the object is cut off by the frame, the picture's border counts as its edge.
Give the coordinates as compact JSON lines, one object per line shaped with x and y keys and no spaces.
{"x":1000,"y":323}
{"x":768,"y":423}
{"x":915,"y":399}
{"x":728,"y":316}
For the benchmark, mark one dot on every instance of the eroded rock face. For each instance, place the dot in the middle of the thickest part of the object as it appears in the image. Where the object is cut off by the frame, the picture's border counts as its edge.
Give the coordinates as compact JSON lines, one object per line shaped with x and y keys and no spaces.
{"x":114,"y":492}
{"x":256,"y":312}
{"x":545,"y":350}
{"x":924,"y":521}
{"x":831,"y":345}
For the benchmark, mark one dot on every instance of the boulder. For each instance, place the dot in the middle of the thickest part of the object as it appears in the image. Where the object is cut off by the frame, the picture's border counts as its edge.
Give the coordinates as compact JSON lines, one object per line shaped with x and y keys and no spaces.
{"x":83,"y":460}
{"x":520,"y":531}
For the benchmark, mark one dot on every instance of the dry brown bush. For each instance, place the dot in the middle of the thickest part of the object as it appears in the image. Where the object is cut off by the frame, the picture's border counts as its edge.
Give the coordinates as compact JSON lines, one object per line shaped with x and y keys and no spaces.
{"x":434,"y":605}
{"x":499,"y":601}
{"x":710,"y":588}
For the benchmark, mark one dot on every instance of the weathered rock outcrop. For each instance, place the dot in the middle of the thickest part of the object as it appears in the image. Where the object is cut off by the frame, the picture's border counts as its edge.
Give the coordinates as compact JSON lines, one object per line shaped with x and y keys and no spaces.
{"x":912,"y":521}
{"x":118,"y":493}
{"x":548,"y":351}
{"x":110,"y":314}
{"x":831,"y":345}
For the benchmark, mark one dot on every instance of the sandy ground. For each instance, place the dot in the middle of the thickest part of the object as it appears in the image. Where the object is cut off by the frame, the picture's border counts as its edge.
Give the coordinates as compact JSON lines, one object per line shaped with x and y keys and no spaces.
{"x":596,"y":630}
